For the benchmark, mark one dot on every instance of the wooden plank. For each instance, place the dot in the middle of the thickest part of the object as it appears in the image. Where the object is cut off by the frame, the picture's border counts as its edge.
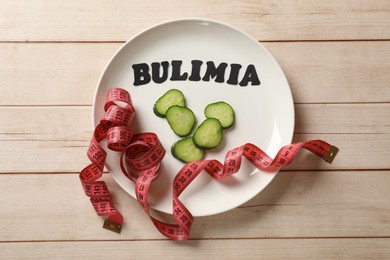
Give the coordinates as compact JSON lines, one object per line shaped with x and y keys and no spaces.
{"x":43,"y":156}
{"x":52,"y":207}
{"x":362,"y":248}
{"x":66,"y":123}
{"x":318,"y":72}
{"x":357,"y":151}
{"x":74,"y":123}
{"x":265,"y":20}
{"x":60,"y":135}
{"x":51,"y":74}
{"x":330,"y":72}
{"x":311,"y":210}
{"x":342,"y":118}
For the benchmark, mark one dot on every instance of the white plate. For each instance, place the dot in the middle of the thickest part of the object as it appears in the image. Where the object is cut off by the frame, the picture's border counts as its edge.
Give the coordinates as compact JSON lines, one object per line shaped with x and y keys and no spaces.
{"x":264,"y":113}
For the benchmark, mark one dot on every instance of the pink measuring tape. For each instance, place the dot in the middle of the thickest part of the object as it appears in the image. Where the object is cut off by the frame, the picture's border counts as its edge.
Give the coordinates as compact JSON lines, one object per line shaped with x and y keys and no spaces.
{"x":141,"y":159}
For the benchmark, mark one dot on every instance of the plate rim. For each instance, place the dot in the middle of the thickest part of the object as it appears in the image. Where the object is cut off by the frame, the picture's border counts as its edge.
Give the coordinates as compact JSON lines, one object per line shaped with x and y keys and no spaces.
{"x":197,"y":20}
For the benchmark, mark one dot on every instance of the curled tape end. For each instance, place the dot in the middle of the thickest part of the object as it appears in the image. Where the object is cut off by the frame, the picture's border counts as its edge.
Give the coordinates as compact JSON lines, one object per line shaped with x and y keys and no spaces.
{"x":112,"y":226}
{"x":331,"y":154}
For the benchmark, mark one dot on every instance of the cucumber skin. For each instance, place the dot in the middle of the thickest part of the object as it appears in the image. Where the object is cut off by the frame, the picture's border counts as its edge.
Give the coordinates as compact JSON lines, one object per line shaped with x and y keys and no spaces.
{"x":159,"y":114}
{"x":200,"y":127}
{"x":175,"y":155}
{"x":207,"y":114}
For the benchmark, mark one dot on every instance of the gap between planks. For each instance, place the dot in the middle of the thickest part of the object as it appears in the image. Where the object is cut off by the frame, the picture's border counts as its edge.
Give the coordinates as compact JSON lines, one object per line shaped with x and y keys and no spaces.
{"x":193,"y":239}
{"x":268,"y":41}
{"x":281,"y":171}
{"x":295,"y":104}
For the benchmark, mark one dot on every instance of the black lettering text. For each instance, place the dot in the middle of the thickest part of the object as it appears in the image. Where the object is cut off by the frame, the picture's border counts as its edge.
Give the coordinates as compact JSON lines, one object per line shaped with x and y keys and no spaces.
{"x":141,"y":74}
{"x":215,"y":72}
{"x":176,"y":71}
{"x":157,"y":78}
{"x":250,"y":75}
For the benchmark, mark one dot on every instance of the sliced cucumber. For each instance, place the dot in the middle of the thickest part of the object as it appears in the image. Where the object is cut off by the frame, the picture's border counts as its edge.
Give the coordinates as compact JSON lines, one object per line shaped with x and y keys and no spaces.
{"x":181,"y":119}
{"x":170,"y":98}
{"x":209,"y":134}
{"x":221,"y":111}
{"x":186,"y":151}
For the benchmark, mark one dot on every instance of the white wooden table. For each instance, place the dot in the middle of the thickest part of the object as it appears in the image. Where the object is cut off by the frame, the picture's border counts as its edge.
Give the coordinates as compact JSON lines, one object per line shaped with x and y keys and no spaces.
{"x":336,"y":56}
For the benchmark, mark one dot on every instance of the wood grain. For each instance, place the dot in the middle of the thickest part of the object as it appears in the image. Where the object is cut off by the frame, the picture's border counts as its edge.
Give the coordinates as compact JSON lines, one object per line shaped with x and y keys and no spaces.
{"x":210,"y":249}
{"x":342,"y":118}
{"x":265,"y":20}
{"x":67,"y":74}
{"x":292,"y":206}
{"x":336,"y":57}
{"x":60,"y":135}
{"x":74,"y":123}
{"x":70,"y":156}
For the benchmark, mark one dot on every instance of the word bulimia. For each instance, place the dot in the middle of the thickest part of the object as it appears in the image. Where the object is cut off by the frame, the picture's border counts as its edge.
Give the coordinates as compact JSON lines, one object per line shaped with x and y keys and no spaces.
{"x":159,"y":72}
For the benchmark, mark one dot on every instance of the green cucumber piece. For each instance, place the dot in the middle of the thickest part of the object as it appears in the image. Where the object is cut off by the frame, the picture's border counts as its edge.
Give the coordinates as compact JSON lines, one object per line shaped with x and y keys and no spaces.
{"x":186,"y":151}
{"x":181,"y":120}
{"x":221,"y":111}
{"x":209,"y":134}
{"x":170,"y":98}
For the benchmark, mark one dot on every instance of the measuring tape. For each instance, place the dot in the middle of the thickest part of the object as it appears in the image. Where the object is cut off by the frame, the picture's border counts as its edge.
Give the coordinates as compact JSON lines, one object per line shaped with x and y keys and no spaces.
{"x":141,"y":161}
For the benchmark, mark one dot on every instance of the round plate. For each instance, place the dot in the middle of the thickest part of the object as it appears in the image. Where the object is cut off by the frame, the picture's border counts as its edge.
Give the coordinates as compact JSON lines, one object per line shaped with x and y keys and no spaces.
{"x":264,"y":112}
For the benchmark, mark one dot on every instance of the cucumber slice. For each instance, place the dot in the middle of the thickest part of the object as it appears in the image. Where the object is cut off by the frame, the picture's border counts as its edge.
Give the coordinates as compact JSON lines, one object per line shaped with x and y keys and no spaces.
{"x":221,"y":111}
{"x":170,"y":98}
{"x":186,"y":151}
{"x":209,"y":134}
{"x":181,"y":119}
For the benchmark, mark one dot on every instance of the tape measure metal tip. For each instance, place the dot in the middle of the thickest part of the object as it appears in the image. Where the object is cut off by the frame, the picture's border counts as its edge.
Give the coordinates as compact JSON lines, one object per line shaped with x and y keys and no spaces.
{"x":112,"y":226}
{"x":331,"y":154}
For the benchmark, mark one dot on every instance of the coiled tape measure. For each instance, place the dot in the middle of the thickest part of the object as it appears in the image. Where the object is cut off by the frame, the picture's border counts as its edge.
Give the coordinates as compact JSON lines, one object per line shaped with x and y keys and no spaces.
{"x":141,"y":161}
